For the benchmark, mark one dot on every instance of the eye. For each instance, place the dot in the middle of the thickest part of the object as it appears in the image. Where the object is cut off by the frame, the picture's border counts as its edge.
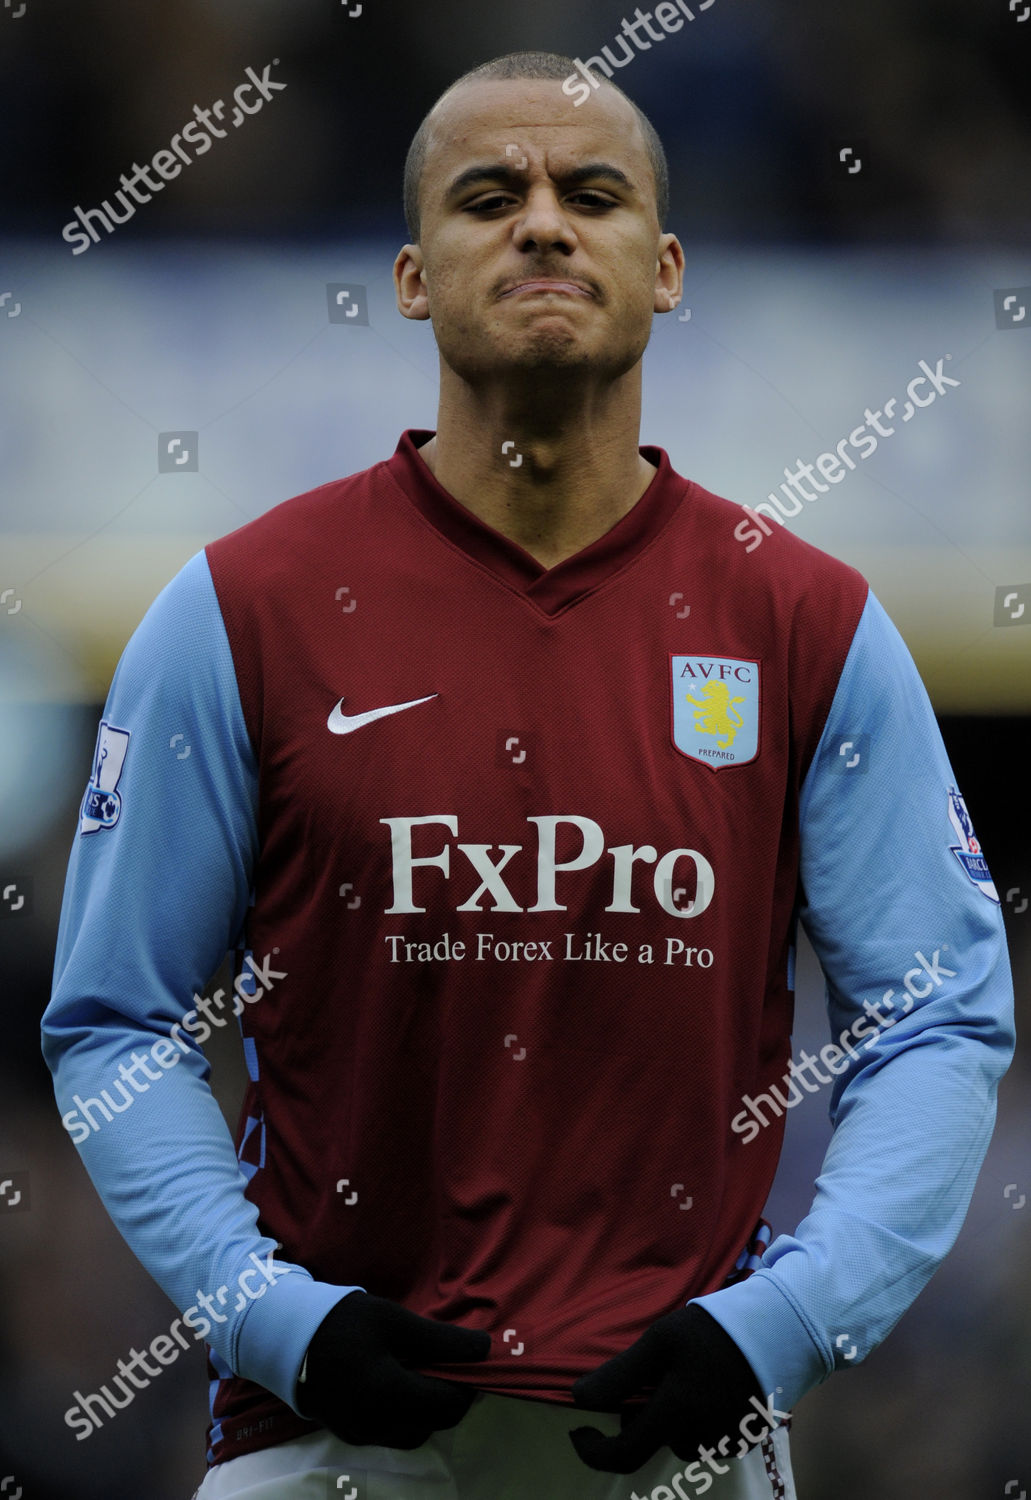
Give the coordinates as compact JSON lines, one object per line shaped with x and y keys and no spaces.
{"x":481,"y":203}
{"x":496,"y":200}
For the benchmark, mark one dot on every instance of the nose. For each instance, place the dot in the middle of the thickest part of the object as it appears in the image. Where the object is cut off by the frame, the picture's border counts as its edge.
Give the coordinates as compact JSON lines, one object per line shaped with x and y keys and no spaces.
{"x":543,"y":224}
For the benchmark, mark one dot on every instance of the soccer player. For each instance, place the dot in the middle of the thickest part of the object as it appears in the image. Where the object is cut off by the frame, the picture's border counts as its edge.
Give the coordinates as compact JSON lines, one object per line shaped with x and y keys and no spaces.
{"x":511,"y":846}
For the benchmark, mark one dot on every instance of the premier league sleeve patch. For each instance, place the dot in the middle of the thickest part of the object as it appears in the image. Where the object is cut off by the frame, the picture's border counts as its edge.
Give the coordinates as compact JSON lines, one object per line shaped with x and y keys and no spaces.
{"x":102,"y":806}
{"x":714,"y":710}
{"x":968,"y":851}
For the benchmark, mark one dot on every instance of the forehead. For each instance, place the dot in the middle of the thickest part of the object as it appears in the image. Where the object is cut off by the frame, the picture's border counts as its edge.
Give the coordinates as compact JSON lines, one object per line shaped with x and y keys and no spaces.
{"x":480,"y":119}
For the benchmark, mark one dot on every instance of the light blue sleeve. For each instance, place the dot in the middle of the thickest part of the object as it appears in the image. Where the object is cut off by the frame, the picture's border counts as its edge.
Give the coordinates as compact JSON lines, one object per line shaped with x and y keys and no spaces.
{"x":156,"y":893}
{"x":900,"y":909}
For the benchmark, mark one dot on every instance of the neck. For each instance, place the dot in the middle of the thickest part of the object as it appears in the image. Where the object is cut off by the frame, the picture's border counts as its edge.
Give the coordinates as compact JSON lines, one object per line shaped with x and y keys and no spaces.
{"x":552,"y":480}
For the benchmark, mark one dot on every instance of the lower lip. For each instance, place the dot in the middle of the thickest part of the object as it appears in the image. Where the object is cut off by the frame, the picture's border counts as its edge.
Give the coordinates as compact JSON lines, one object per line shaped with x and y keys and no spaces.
{"x":541,"y":287}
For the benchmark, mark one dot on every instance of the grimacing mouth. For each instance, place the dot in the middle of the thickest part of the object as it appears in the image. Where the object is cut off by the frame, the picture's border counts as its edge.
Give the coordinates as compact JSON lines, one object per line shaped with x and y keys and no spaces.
{"x":560,"y":283}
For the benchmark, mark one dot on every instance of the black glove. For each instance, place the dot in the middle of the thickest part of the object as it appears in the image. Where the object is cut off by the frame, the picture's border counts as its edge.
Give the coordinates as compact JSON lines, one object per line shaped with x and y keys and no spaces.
{"x":356,"y":1383}
{"x":703,"y":1389}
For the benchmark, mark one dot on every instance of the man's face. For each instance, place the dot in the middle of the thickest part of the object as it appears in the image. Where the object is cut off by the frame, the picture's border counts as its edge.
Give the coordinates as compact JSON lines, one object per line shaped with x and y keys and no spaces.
{"x":526,"y":216}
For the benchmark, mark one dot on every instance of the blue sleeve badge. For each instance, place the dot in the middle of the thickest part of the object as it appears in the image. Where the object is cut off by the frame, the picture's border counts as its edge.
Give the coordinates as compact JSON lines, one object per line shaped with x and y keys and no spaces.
{"x":968,"y":851}
{"x":102,"y":806}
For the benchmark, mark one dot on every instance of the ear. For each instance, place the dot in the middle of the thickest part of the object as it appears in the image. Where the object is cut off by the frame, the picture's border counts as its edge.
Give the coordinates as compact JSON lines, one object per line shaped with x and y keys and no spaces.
{"x":410,"y":284}
{"x":669,"y":274}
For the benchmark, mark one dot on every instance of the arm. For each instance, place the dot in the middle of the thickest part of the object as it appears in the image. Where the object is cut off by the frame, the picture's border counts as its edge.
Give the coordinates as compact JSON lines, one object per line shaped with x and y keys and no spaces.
{"x":156,"y":892}
{"x":891,"y":912}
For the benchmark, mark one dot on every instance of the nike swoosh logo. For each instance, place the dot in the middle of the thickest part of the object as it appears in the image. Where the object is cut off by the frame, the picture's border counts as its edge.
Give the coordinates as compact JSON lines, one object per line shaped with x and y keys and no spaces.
{"x":340,"y":723}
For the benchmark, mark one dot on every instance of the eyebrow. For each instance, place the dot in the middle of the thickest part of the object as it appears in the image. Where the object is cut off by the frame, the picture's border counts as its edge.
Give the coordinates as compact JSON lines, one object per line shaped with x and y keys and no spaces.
{"x":504,"y":172}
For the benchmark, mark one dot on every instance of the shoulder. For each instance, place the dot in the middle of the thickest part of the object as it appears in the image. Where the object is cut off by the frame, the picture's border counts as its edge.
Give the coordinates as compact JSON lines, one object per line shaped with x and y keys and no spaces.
{"x":268,"y":545}
{"x":772,"y":571}
{"x":750,"y":543}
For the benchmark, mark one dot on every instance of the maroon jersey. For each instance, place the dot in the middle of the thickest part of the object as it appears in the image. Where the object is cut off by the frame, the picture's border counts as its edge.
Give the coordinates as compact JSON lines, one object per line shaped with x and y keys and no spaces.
{"x":528,"y":864}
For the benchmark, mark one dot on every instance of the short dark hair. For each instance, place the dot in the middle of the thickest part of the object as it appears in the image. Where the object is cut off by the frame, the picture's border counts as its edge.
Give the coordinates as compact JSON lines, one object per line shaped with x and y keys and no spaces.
{"x":529,"y":65}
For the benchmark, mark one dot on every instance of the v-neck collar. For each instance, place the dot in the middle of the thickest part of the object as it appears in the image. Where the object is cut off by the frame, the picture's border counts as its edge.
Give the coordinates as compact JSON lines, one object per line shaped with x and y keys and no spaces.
{"x":550,"y":589}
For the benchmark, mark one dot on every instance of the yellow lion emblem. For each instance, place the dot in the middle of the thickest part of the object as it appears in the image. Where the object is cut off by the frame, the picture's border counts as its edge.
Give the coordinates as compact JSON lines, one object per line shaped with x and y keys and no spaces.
{"x":715,"y":712}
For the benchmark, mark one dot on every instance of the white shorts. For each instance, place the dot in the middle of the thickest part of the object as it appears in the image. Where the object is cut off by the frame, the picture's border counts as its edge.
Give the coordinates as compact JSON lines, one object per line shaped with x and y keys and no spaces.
{"x":504,"y":1448}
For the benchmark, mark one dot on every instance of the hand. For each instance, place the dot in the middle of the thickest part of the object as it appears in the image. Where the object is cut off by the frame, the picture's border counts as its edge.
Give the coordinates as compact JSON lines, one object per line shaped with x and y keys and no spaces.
{"x":356,"y":1383}
{"x":703,"y":1389}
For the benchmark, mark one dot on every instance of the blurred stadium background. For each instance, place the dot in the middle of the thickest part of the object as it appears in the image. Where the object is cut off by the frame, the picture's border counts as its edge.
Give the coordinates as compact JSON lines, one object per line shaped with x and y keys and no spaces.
{"x":814,"y":293}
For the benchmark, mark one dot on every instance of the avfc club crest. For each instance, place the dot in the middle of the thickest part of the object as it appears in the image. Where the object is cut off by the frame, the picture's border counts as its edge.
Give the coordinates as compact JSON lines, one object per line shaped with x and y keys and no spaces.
{"x":714,"y":709}
{"x":968,"y":852}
